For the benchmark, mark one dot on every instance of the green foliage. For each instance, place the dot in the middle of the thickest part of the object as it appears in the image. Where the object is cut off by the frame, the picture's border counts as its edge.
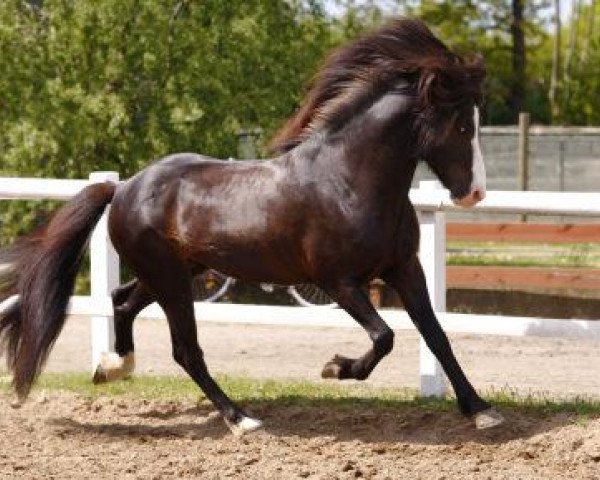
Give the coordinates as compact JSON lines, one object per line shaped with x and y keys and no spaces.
{"x":112,"y":85}
{"x":115,"y":84}
{"x":579,"y":104}
{"x":527,"y":254}
{"x":484,"y":27}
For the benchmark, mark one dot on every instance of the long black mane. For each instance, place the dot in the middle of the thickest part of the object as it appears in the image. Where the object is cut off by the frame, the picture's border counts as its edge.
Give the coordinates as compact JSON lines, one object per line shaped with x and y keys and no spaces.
{"x":355,"y":74}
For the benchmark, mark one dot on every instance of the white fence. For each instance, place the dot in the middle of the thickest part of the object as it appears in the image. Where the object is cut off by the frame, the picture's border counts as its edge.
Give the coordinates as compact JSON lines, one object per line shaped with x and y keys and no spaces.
{"x":429,"y":200}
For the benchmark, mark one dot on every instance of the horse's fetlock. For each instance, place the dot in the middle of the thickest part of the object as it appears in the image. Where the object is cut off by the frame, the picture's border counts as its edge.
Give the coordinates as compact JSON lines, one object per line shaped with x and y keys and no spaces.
{"x":186,"y":357}
{"x":179,"y":356}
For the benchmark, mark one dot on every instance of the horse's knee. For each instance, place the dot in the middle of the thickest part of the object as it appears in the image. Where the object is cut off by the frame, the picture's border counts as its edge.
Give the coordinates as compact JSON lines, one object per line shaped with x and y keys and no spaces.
{"x":383,"y":341}
{"x":120,"y":294}
{"x":116,"y":295}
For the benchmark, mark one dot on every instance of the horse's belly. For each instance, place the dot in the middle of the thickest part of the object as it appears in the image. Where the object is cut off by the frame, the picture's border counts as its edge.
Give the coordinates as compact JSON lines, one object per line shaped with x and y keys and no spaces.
{"x":258,"y":260}
{"x":255,"y":267}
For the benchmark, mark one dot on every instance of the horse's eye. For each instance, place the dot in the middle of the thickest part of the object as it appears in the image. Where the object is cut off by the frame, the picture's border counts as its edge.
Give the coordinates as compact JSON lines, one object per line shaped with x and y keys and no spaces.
{"x":463,"y":129}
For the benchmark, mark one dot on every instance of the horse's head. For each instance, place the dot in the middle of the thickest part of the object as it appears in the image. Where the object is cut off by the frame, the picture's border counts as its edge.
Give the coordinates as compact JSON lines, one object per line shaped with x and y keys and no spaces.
{"x":395,"y":71}
{"x":448,"y":129}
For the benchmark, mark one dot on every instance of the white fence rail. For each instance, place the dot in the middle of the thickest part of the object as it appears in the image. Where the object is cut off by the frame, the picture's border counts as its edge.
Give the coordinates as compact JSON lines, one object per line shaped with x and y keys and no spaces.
{"x":429,"y":200}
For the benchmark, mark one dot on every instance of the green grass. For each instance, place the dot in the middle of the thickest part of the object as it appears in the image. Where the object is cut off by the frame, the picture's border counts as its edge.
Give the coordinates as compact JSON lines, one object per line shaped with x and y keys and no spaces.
{"x":509,"y":261}
{"x":293,"y":392}
{"x":583,"y":255}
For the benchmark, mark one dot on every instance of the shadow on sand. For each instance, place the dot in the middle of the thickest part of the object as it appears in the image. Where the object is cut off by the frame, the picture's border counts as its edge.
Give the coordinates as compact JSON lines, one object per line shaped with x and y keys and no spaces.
{"x":342,"y":420}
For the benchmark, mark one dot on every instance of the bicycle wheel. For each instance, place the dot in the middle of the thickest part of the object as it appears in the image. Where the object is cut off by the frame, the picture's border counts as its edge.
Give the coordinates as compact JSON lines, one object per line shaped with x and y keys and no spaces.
{"x":309,"y":295}
{"x":210,"y":286}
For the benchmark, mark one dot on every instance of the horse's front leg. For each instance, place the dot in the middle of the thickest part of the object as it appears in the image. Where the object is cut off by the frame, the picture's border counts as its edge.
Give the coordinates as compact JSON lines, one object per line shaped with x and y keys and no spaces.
{"x":409,"y":282}
{"x":355,"y":301}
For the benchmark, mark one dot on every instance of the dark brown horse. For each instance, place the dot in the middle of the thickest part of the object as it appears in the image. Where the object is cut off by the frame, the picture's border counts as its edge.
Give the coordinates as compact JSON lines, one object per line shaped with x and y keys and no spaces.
{"x":331,"y":209}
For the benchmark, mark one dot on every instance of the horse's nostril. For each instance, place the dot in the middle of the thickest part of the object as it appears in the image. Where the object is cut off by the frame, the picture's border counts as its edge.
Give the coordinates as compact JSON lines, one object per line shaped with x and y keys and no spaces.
{"x":478,"y":195}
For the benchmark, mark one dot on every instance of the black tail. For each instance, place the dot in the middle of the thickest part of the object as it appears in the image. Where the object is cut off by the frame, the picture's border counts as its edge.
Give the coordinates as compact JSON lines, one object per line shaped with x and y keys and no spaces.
{"x":41,"y":269}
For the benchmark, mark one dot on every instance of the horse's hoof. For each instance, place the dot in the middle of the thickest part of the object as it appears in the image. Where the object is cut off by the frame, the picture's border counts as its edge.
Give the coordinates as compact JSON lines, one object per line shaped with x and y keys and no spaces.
{"x":113,"y":367}
{"x":488,"y":419}
{"x":17,"y":403}
{"x":243,"y":426}
{"x":331,"y":370}
{"x":99,"y":376}
{"x":338,"y":367}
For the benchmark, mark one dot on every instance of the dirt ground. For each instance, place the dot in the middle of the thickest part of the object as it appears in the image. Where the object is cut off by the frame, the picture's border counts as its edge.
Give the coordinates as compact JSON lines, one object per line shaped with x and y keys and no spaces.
{"x":62,"y":435}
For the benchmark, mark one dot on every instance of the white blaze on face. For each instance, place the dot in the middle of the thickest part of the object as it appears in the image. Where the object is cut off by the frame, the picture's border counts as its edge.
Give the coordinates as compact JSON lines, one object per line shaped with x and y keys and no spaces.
{"x":478,"y":182}
{"x":477,"y":190}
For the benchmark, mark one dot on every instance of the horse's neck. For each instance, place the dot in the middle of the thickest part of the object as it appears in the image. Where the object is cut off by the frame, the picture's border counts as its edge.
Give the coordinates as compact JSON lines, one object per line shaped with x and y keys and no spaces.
{"x":371,"y":154}
{"x":377,"y":173}
{"x":379,"y":143}
{"x":384,"y":165}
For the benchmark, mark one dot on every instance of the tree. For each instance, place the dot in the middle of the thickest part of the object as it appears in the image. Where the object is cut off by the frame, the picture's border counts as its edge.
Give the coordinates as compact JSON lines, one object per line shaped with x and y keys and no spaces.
{"x":556,"y":64}
{"x":589,"y":34}
{"x":573,"y":36}
{"x":578,"y":103}
{"x":115,"y":84}
{"x":516,"y":99}
{"x":508,"y":34}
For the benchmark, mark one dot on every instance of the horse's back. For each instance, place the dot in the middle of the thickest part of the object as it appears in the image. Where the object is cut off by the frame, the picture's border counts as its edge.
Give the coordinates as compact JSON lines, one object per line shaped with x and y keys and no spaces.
{"x":214,"y":211}
{"x":146,"y":200}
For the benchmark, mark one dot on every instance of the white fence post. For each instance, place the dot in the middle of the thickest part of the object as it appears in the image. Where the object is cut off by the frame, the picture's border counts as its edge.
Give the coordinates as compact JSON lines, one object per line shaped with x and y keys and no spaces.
{"x":432,"y":253}
{"x":104,"y":275}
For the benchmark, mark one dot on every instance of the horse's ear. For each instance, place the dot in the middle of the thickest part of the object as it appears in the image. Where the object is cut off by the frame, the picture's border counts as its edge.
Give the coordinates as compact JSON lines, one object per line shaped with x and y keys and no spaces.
{"x":451,"y":83}
{"x":476,"y":69}
{"x":432,"y":87}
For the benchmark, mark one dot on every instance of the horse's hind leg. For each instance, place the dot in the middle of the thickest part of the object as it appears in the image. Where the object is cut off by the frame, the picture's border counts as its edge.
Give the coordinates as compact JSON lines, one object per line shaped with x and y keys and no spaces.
{"x":128,"y":300}
{"x":355,"y":301}
{"x":169,"y":279}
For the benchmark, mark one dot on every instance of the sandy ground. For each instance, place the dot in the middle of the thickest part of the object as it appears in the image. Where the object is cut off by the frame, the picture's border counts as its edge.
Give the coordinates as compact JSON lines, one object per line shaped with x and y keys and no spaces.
{"x":63,"y":436}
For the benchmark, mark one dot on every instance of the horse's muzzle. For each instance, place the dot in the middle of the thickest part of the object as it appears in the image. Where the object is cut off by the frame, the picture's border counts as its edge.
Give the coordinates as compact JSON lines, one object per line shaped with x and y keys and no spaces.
{"x":471,"y":199}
